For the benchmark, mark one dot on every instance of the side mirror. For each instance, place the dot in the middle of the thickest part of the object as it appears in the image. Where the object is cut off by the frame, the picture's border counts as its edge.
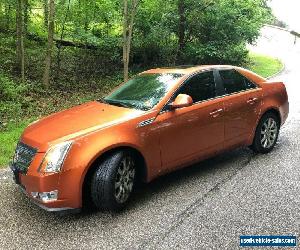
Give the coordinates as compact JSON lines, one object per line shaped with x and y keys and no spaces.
{"x":181,"y":101}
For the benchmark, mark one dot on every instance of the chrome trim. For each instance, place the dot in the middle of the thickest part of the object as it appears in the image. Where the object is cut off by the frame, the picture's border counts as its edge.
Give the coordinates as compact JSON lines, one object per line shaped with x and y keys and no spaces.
{"x":23,"y":157}
{"x":146,"y":122}
{"x":217,"y":97}
{"x":216,"y":112}
{"x":162,"y":111}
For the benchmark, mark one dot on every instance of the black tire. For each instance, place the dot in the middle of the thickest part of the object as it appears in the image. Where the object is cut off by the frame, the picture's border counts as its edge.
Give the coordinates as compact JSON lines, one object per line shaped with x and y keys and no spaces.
{"x":258,"y":144}
{"x":104,"y":181}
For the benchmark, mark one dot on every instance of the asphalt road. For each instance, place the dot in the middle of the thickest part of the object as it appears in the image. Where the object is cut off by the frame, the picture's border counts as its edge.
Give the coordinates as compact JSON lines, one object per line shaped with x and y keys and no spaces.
{"x":206,"y":206}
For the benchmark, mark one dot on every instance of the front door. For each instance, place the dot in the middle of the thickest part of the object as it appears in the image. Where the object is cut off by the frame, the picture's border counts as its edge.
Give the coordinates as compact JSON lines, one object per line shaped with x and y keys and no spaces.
{"x":193,"y":132}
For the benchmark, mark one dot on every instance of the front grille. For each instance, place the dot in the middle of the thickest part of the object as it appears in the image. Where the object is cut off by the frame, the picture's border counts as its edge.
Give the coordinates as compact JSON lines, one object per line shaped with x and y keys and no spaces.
{"x":23,"y":157}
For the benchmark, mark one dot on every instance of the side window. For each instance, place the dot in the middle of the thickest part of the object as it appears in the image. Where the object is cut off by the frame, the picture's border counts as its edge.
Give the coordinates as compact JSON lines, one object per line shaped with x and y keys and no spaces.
{"x":235,"y":82}
{"x":249,"y":84}
{"x":200,"y":87}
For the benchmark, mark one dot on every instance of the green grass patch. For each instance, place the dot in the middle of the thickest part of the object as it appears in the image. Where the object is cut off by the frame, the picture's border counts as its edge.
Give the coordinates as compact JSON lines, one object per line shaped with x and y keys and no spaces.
{"x":263,"y":65}
{"x":9,"y":138}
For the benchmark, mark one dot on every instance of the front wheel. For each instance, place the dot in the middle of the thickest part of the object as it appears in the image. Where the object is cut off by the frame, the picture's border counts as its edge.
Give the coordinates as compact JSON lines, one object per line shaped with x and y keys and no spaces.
{"x":113,"y":181}
{"x":266,"y":134}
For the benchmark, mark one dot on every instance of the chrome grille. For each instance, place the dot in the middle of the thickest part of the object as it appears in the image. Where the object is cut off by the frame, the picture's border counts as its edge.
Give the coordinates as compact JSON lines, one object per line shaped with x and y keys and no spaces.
{"x":23,"y":157}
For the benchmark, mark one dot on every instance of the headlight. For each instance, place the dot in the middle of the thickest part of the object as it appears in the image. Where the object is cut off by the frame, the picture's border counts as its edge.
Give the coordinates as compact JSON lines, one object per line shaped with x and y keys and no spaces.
{"x":55,"y":157}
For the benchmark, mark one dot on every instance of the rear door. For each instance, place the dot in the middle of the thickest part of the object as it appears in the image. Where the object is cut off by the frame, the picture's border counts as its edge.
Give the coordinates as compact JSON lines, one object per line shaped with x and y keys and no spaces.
{"x":242,"y":103}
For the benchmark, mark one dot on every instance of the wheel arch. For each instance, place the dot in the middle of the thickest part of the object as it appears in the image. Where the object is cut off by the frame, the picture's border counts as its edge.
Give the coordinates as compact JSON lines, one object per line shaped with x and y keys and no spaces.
{"x":273,"y":110}
{"x":141,"y":171}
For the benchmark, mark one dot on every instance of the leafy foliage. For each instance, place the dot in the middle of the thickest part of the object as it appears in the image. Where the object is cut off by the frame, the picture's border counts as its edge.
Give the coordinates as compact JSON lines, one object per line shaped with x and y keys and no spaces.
{"x":215,"y":31}
{"x":88,"y":39}
{"x":10,"y":97}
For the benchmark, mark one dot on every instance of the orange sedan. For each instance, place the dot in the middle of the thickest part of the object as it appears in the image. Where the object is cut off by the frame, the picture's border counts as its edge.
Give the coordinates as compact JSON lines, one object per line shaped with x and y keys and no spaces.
{"x":159,"y":121}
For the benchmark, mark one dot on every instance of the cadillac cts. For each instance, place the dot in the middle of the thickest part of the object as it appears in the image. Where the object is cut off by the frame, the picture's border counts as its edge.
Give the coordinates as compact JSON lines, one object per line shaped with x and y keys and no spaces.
{"x":159,"y":121}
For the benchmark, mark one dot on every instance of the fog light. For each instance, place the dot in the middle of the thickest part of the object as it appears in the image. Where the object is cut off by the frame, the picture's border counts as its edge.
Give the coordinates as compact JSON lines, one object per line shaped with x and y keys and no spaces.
{"x":45,"y":196}
{"x":35,"y":195}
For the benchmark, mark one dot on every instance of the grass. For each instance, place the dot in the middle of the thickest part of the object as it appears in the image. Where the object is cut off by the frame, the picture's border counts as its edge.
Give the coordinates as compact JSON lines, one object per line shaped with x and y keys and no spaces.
{"x":263,"y":65}
{"x":52,"y":100}
{"x":9,"y":139}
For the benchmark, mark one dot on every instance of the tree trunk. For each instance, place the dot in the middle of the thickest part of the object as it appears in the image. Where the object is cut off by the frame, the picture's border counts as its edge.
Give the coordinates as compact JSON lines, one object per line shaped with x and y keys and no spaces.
{"x":26,"y":16}
{"x":181,"y":30}
{"x":46,"y":13}
{"x":46,"y":77}
{"x":125,"y":59}
{"x":1,"y":8}
{"x":20,"y":39}
{"x":128,"y":22}
{"x":59,"y":45}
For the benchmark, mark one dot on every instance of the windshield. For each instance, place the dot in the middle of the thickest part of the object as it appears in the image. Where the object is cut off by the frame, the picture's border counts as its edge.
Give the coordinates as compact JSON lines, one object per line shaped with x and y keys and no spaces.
{"x":143,"y":91}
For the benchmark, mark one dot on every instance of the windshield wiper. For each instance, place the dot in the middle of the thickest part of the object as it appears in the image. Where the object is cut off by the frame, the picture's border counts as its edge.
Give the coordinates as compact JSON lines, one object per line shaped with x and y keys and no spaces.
{"x":122,"y":104}
{"x":118,"y":103}
{"x":102,"y":100}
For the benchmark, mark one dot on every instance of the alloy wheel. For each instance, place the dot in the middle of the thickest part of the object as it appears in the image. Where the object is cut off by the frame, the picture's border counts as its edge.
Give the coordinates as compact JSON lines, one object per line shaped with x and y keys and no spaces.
{"x":124,"y":179}
{"x":269,"y":133}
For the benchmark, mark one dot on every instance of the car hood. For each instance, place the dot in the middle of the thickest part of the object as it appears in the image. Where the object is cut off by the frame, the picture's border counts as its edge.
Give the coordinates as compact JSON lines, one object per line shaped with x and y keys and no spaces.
{"x":74,"y":122}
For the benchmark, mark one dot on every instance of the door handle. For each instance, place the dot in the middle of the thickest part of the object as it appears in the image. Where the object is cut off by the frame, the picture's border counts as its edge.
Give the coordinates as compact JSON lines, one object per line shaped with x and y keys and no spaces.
{"x":216,"y":112}
{"x":252,"y":100}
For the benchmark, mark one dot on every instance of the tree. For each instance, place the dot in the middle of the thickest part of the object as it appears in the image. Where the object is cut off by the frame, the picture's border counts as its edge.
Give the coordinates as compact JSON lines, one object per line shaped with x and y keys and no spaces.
{"x":8,"y":14}
{"x":46,"y":14}
{"x":48,"y":60}
{"x":61,"y":39}
{"x":181,"y":29}
{"x":20,"y":39}
{"x":219,"y":34}
{"x":128,"y":22}
{"x":26,"y":12}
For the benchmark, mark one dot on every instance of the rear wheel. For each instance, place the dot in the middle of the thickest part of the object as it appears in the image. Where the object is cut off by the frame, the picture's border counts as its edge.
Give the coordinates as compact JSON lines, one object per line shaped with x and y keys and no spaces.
{"x":113,"y":181}
{"x":266,"y":134}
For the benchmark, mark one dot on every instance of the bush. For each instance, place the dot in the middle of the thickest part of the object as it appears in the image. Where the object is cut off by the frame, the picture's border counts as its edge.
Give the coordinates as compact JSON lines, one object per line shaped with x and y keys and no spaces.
{"x":215,"y":53}
{"x":11,"y":98}
{"x":9,"y":89}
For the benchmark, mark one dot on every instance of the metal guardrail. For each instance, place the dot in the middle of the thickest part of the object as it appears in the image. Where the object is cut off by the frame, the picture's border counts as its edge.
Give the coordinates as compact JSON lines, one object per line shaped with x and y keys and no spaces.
{"x":277,"y":27}
{"x":294,"y":33}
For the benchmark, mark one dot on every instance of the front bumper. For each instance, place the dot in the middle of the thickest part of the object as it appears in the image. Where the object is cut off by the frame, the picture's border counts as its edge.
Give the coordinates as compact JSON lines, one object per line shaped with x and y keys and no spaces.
{"x":60,"y":210}
{"x":44,"y":183}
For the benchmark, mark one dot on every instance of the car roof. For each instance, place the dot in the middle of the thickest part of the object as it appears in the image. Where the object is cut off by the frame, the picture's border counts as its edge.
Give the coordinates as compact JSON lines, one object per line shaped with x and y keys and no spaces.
{"x":186,"y":69}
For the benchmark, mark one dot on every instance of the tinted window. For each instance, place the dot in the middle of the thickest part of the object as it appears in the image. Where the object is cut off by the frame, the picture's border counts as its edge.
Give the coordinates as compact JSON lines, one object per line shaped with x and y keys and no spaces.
{"x":200,"y":87}
{"x":235,"y":82}
{"x":249,"y":84}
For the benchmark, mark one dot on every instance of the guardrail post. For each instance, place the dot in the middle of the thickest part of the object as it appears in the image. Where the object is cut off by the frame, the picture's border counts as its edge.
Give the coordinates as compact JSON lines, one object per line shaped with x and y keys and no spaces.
{"x":296,"y":34}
